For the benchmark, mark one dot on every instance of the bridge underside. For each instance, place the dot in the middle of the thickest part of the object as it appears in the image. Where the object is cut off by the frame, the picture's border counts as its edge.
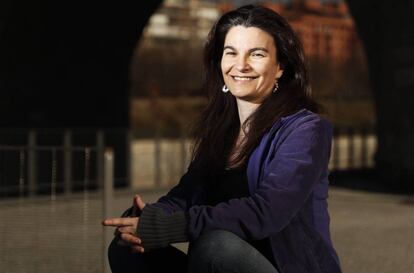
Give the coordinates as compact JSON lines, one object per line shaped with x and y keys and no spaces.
{"x":67,"y":66}
{"x":386,"y":30}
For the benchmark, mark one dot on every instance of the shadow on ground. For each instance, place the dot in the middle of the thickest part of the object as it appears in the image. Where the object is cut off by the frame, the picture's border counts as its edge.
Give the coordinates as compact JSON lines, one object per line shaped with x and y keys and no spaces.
{"x":368,"y":180}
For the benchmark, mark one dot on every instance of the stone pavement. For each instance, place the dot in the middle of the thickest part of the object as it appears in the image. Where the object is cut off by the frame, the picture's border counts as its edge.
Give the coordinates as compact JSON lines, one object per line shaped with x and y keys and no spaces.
{"x":372,"y":232}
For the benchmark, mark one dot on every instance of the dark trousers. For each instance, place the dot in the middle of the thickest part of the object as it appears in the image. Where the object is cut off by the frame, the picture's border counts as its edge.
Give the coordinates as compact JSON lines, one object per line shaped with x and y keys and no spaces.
{"x":216,"y":251}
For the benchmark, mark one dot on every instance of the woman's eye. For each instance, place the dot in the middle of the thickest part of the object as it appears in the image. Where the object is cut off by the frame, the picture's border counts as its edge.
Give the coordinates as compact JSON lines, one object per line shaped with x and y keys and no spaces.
{"x":257,"y":55}
{"x":230,"y":53}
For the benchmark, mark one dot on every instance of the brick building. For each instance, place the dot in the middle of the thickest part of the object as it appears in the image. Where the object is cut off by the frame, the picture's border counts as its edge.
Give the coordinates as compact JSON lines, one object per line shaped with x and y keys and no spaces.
{"x":326,"y":29}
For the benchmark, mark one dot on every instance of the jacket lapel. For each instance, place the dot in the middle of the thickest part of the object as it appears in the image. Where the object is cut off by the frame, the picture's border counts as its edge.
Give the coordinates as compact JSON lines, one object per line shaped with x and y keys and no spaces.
{"x":259,"y":155}
{"x":256,"y":160}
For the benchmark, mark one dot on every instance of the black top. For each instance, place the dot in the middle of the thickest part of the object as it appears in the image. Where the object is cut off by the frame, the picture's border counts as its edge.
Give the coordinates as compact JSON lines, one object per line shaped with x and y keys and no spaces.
{"x":232,"y":183}
{"x":228,"y":184}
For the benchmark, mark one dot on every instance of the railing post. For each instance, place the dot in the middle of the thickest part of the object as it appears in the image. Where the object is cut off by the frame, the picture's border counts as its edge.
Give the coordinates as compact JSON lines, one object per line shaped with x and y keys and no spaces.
{"x":31,"y":163}
{"x":336,"y":150}
{"x":100,"y":146}
{"x":157,"y":160}
{"x":183,"y":152}
{"x":350,"y":136}
{"x":108,"y":188}
{"x":129,"y":157}
{"x":67,"y":161}
{"x":364,"y":150}
{"x":21,"y":172}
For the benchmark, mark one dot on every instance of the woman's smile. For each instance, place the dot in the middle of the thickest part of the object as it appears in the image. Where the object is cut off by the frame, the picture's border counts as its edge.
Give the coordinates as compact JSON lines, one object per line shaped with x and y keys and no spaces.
{"x":244,"y":78}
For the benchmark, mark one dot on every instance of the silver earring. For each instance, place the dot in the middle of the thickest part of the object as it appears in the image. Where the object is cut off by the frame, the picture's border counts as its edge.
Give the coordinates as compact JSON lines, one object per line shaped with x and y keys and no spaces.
{"x":225,"y":89}
{"x":276,"y":87}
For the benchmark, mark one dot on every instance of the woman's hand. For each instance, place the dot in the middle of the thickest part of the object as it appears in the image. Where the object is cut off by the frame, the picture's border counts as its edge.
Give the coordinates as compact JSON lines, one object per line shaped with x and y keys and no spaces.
{"x":126,"y":228}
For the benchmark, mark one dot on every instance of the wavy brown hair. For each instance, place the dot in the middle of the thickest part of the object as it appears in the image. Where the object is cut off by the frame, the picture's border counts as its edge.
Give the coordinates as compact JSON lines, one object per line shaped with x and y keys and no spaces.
{"x":218,"y":126}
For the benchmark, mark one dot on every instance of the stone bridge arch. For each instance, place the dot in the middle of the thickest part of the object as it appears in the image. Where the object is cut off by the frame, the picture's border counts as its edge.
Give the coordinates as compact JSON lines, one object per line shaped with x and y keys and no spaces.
{"x":58,"y":60}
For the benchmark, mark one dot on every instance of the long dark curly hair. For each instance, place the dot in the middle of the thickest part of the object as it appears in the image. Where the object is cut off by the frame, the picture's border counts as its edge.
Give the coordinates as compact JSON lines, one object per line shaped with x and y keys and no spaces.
{"x":218,"y":126}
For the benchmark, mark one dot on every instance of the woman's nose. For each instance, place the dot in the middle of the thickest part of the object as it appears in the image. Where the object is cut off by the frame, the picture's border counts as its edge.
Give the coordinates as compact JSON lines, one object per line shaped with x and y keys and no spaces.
{"x":242,"y":64}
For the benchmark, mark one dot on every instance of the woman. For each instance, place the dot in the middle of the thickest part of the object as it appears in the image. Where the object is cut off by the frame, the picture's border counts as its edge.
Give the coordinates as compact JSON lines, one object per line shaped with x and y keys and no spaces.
{"x":254,"y":196}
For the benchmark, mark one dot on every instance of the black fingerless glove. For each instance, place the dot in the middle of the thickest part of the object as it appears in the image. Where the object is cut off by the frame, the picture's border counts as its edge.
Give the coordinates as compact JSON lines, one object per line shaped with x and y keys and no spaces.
{"x":157,"y":229}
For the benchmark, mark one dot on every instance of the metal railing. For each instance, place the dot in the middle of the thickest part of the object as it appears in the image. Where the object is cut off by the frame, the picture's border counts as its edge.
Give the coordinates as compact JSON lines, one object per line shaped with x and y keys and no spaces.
{"x":55,"y":226}
{"x":29,"y":168}
{"x":353,"y":149}
{"x":159,"y":163}
{"x":56,"y":157}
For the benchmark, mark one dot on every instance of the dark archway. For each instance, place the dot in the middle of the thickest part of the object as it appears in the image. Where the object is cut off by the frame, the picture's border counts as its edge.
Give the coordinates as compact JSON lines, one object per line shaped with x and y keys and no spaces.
{"x":386,"y":28}
{"x":67,"y":66}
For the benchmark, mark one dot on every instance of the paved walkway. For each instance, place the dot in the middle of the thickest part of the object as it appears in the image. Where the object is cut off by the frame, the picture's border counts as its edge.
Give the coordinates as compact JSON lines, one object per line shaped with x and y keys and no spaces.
{"x":371,"y":232}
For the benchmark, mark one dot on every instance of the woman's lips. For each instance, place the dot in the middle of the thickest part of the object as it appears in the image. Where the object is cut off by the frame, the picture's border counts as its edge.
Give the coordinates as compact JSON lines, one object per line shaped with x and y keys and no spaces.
{"x":244,"y":78}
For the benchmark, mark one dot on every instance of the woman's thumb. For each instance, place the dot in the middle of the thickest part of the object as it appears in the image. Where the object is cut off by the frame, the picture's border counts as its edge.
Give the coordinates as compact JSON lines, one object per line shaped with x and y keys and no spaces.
{"x":139,"y":203}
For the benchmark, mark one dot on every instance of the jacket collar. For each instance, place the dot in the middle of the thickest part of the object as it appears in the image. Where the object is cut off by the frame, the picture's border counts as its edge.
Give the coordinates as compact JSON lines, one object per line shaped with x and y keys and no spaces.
{"x":285,"y":119}
{"x":256,"y":159}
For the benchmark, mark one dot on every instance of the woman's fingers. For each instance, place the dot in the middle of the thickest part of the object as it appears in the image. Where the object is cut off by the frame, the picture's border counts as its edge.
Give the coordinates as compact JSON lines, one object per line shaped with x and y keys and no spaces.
{"x":123,"y":225}
{"x":122,"y":243}
{"x":127,"y":229}
{"x":137,"y":249}
{"x":130,"y":239}
{"x":119,"y":222}
{"x":116,"y":232}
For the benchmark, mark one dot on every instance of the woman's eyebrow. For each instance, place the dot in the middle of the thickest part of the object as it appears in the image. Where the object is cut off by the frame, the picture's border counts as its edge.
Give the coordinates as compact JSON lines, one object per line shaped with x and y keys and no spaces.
{"x":229,"y":47}
{"x":250,"y":50}
{"x":258,"y":48}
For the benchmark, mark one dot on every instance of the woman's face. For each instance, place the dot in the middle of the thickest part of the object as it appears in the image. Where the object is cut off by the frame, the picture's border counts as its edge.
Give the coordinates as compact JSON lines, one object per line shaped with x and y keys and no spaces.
{"x":249,"y":64}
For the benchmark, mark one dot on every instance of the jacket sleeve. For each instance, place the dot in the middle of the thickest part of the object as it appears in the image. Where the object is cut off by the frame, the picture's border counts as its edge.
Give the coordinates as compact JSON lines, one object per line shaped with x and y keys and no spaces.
{"x":288,"y":180}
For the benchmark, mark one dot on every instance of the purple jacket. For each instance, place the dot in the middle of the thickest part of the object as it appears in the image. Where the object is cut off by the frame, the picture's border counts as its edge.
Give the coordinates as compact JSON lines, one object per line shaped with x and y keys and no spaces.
{"x":288,"y":184}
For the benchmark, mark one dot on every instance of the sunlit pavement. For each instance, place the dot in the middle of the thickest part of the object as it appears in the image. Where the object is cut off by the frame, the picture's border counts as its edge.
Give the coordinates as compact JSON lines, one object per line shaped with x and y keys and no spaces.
{"x":372,"y":232}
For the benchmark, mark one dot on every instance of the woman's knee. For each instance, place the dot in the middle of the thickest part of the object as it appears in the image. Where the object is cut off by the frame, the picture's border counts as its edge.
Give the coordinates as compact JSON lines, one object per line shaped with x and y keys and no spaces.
{"x":115,"y":250}
{"x":213,"y":240}
{"x":215,"y":246}
{"x":121,"y":259}
{"x":223,"y":251}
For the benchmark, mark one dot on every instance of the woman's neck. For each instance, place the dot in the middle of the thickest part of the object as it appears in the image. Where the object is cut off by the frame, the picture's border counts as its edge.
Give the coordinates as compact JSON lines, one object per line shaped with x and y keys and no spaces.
{"x":245,"y":109}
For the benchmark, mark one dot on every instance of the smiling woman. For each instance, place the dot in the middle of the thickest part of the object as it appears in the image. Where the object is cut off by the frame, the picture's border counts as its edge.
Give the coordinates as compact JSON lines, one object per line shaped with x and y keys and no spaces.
{"x":254,"y":198}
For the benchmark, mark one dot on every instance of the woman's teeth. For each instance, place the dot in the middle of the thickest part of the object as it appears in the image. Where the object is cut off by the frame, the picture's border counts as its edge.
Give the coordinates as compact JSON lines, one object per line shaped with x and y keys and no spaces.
{"x":243,"y":78}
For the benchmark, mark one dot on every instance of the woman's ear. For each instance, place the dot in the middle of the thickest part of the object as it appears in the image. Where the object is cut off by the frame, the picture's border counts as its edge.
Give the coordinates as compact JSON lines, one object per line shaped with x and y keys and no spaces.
{"x":279,"y":71}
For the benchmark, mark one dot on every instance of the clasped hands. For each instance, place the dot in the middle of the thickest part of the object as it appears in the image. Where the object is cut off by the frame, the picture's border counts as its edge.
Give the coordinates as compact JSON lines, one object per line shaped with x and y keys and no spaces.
{"x":126,"y":228}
